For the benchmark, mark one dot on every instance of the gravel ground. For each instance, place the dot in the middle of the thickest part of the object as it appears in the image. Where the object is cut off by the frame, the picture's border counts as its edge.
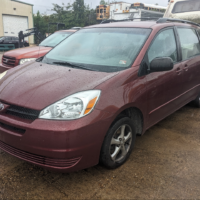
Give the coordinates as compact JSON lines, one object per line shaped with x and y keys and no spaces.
{"x":164,"y":164}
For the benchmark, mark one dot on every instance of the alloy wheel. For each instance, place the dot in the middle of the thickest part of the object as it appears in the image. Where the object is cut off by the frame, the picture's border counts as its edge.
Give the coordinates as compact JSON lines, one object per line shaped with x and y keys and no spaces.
{"x":121,"y":143}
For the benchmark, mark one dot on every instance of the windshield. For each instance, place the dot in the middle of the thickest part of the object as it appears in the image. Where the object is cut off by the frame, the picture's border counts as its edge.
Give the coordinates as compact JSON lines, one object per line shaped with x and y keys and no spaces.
{"x":186,"y":6}
{"x":101,"y":49}
{"x":1,"y":38}
{"x":55,"y":39}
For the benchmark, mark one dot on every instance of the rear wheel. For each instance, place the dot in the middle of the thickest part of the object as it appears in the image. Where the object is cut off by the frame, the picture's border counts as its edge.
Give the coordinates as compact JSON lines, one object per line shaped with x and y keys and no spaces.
{"x":196,"y":102}
{"x":118,"y":143}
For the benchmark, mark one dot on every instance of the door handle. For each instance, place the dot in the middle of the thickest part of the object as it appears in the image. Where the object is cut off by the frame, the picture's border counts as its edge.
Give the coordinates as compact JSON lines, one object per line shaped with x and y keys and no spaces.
{"x":178,"y":70}
{"x":186,"y":67}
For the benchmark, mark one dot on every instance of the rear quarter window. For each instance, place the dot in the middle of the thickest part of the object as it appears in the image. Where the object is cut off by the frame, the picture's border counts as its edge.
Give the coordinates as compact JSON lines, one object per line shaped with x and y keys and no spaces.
{"x":189,"y":45}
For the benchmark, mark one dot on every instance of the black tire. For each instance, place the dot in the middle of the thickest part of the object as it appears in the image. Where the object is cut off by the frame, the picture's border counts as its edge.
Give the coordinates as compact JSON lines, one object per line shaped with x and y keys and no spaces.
{"x":196,"y":102}
{"x":115,"y":134}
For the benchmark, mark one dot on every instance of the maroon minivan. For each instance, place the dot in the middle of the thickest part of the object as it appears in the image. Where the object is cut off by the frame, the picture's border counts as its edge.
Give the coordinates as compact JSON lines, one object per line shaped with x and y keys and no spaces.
{"x":86,"y":100}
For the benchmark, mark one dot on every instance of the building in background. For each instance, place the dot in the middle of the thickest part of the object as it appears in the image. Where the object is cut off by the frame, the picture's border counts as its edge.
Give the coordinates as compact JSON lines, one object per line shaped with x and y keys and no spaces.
{"x":15,"y":16}
{"x":122,"y":10}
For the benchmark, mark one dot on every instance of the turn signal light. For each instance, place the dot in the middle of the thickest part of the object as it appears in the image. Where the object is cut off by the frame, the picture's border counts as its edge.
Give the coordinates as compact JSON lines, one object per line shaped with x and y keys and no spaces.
{"x":90,"y":105}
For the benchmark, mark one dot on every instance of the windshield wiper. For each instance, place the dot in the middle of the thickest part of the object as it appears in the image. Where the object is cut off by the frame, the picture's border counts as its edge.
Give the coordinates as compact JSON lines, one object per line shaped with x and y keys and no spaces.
{"x":47,"y":46}
{"x":73,"y":65}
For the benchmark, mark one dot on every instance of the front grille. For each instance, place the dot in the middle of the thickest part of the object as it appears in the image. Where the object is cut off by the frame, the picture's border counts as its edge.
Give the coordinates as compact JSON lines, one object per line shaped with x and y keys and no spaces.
{"x":21,"y":112}
{"x":12,"y":128}
{"x":9,"y":61}
{"x":40,"y":160}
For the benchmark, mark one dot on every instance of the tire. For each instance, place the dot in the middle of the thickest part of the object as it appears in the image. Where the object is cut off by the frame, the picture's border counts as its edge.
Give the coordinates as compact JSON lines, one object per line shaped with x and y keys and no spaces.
{"x":114,"y":155}
{"x":196,"y":102}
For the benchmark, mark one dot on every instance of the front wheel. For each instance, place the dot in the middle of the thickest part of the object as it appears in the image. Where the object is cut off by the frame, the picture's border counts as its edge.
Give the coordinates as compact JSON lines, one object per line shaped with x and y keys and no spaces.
{"x":118,"y":143}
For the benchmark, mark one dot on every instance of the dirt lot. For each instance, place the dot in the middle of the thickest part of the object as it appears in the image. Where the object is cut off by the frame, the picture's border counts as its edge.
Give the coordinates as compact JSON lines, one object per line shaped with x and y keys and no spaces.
{"x":164,"y":164}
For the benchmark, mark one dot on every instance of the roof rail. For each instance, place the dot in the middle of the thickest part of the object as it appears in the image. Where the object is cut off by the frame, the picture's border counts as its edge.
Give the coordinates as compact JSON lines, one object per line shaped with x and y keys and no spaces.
{"x":164,"y":20}
{"x":128,"y":19}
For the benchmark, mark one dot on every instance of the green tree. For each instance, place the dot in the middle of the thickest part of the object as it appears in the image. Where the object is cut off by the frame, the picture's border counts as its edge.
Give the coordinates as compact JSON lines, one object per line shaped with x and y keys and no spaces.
{"x":75,"y":14}
{"x":41,"y":23}
{"x":102,"y":2}
{"x":79,"y":12}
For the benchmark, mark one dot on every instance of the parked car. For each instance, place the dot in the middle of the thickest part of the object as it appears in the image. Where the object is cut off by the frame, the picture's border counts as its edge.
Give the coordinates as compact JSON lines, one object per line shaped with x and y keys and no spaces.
{"x":87,"y":99}
{"x":12,"y":40}
{"x":184,"y":9}
{"x":16,"y":57}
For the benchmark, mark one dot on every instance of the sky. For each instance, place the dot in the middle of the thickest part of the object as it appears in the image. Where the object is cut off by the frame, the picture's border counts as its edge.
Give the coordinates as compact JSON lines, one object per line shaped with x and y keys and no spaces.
{"x":45,"y":6}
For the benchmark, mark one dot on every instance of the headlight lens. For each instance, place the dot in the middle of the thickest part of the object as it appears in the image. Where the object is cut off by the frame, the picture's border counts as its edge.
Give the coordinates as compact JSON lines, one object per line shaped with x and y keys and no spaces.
{"x":2,"y":74}
{"x":72,"y":107}
{"x":22,"y":61}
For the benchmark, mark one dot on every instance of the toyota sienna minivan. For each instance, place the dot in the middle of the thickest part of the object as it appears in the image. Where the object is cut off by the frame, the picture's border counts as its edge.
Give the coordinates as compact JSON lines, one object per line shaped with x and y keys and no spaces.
{"x":85,"y":101}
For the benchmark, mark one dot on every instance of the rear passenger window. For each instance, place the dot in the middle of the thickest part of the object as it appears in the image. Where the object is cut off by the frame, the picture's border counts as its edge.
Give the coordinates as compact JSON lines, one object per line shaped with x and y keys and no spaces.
{"x":163,"y":46}
{"x":189,"y":43}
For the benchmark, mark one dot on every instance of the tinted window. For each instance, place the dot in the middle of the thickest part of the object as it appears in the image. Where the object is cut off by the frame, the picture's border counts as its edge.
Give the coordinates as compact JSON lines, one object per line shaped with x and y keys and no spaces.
{"x":163,"y":46}
{"x":104,"y":49}
{"x":186,"y":6}
{"x":8,"y":39}
{"x":189,"y":42}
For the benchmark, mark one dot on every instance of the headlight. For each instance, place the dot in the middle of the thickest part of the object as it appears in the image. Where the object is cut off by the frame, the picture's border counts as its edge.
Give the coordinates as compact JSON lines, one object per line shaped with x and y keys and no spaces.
{"x":2,"y":74}
{"x":22,"y":61}
{"x":72,"y":107}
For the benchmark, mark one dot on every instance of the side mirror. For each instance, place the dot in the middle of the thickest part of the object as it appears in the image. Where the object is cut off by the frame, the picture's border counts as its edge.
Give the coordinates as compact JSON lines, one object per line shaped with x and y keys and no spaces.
{"x":161,"y":64}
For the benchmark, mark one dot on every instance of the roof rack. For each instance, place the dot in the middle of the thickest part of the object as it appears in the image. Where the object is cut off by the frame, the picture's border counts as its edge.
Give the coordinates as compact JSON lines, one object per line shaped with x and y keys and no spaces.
{"x":159,"y":20}
{"x":128,"y":19}
{"x":164,"y":20}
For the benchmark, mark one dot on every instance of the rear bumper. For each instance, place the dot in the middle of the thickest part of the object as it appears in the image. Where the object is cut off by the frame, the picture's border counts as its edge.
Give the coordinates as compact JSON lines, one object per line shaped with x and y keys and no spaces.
{"x":63,"y":146}
{"x":4,"y":68}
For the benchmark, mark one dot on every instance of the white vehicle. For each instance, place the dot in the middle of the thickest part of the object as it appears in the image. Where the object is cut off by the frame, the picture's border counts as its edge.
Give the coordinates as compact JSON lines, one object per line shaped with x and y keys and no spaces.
{"x":123,"y":11}
{"x":184,"y":9}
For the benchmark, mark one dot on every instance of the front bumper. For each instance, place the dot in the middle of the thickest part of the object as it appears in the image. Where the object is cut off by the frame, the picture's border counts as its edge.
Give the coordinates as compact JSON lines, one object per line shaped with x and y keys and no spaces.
{"x":64,"y":146}
{"x":4,"y":68}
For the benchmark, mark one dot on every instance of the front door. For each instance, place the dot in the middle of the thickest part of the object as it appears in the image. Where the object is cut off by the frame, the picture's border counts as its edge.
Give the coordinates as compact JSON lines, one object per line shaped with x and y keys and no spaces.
{"x":163,"y":87}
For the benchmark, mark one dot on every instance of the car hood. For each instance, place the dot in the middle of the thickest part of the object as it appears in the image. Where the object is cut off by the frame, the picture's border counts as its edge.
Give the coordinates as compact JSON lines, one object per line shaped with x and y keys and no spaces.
{"x":28,"y":52}
{"x":37,"y":85}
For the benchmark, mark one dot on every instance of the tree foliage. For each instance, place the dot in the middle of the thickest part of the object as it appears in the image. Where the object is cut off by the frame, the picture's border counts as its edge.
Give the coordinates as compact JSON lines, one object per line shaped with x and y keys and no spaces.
{"x":76,"y":14}
{"x":102,"y":2}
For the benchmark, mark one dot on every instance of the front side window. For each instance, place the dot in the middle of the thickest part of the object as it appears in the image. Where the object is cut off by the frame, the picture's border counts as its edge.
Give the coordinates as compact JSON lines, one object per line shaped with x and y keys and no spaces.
{"x":101,"y":49}
{"x":186,"y":6}
{"x":55,"y":39}
{"x":164,"y":46}
{"x":189,"y":43}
